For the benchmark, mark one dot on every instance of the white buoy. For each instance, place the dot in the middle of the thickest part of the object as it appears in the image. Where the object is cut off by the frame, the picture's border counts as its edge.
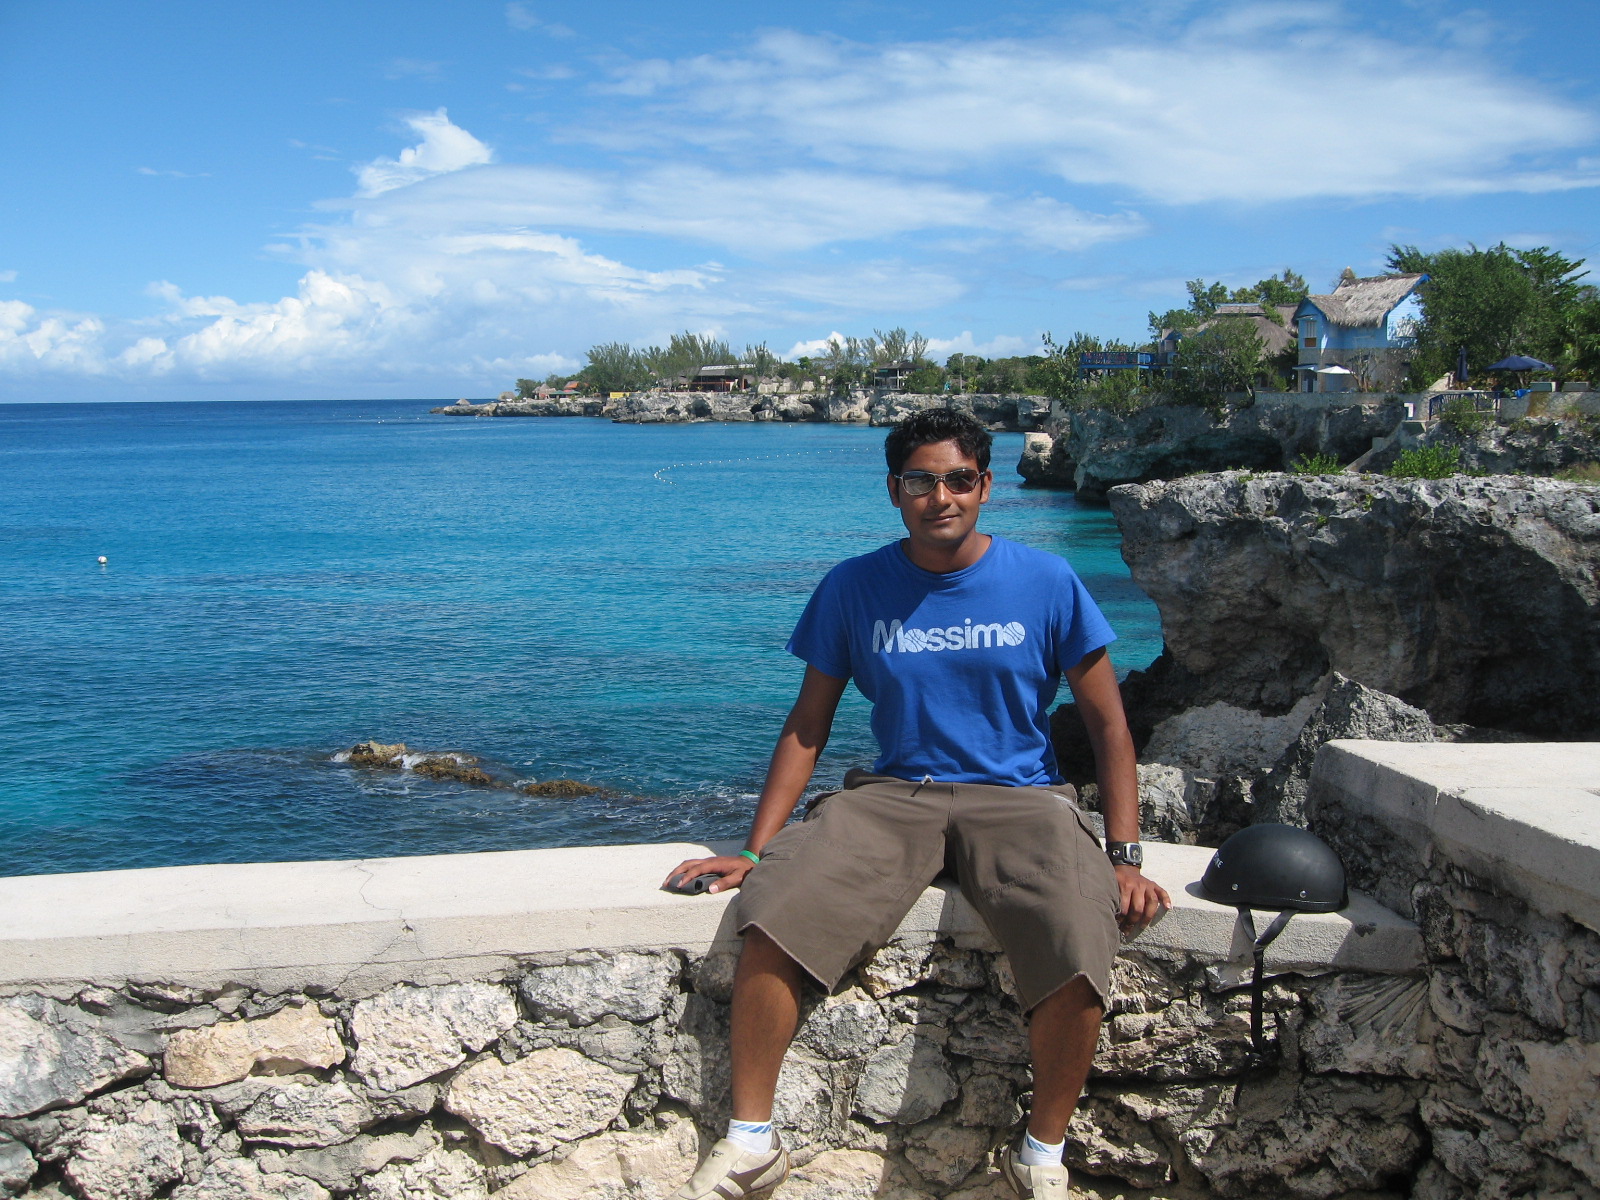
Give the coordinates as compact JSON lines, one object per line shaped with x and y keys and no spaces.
{"x":101,"y":560}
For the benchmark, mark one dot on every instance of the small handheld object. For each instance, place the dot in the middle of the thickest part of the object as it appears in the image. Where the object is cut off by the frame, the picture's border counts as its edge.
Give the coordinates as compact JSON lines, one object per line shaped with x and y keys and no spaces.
{"x":691,"y":887}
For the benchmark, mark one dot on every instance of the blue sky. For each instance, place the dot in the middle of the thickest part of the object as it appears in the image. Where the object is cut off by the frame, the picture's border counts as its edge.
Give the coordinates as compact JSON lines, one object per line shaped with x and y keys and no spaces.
{"x":205,"y":201}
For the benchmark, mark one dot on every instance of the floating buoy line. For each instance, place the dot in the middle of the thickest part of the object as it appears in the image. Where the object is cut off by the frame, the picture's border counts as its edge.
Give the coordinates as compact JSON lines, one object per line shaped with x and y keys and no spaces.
{"x":660,"y":476}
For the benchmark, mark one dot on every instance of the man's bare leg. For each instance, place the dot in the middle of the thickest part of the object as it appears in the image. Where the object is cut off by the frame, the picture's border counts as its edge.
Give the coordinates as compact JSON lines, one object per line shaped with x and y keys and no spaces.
{"x":766,"y":1011}
{"x":1062,"y":1032}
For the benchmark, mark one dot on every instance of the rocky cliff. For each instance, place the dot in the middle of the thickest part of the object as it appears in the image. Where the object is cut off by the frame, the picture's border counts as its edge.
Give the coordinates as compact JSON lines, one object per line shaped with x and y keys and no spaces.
{"x":1012,"y":413}
{"x":1297,"y":609}
{"x":1477,"y":599}
{"x":1093,"y":450}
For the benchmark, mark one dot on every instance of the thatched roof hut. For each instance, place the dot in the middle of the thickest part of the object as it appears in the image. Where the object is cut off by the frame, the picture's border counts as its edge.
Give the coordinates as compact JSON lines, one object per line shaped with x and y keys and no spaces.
{"x":1359,"y":302}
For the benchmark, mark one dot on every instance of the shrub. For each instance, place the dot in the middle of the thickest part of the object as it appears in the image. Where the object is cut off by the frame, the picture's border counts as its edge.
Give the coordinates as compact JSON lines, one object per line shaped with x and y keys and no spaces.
{"x":1588,"y":472}
{"x":1462,"y":416}
{"x":1427,"y":462}
{"x":1315,"y":464}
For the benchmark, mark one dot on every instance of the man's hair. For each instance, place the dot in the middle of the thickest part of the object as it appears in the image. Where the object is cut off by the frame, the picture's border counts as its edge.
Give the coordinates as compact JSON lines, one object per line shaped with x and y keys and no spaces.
{"x":937,"y":425}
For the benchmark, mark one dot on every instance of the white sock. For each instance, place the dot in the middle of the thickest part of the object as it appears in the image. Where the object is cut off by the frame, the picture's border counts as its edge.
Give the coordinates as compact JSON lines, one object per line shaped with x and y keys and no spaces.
{"x":1035,"y":1153}
{"x":754,"y":1136}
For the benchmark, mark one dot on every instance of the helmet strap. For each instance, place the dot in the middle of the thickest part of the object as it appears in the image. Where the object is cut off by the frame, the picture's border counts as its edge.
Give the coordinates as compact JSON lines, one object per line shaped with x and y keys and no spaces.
{"x":1258,"y":981}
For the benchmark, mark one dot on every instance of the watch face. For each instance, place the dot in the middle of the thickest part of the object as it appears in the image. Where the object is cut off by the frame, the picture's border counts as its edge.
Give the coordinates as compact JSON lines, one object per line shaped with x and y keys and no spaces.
{"x":1131,"y":853}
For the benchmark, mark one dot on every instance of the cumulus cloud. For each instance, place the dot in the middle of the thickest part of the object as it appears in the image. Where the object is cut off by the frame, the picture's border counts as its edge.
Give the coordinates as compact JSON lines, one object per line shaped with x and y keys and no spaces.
{"x":445,"y":147}
{"x":30,"y":340}
{"x":1000,"y":346}
{"x":1214,"y":110}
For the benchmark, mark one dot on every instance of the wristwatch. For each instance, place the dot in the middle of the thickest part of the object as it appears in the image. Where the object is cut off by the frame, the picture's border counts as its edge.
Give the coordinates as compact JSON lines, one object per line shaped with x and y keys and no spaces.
{"x":1125,"y":854}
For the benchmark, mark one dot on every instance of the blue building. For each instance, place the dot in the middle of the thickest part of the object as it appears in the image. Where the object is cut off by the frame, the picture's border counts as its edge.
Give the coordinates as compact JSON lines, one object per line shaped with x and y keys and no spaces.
{"x":1360,"y":335}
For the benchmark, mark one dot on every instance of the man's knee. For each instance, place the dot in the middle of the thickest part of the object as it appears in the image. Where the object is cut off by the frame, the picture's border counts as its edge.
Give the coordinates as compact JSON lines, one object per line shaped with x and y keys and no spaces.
{"x":761,"y":956}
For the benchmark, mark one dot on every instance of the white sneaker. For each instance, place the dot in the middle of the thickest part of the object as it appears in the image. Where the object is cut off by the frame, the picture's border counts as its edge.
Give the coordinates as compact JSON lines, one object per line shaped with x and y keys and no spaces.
{"x":730,"y":1171}
{"x":1030,"y":1182}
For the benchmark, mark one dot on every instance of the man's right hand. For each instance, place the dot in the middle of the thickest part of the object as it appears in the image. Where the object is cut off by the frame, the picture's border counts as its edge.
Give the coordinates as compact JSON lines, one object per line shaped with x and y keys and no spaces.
{"x":732,"y":867}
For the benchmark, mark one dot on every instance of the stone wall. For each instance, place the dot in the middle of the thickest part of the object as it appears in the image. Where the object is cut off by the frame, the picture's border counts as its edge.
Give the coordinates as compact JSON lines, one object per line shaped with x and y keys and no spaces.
{"x":544,"y":1024}
{"x":1495,"y":850}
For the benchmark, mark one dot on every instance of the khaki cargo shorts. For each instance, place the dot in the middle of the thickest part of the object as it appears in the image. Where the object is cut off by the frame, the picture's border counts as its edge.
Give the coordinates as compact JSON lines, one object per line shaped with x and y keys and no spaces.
{"x":833,"y":888}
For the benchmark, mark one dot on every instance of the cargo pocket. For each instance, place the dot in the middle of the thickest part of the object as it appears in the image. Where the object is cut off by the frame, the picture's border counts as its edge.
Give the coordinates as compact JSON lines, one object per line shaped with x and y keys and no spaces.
{"x":1097,"y":878}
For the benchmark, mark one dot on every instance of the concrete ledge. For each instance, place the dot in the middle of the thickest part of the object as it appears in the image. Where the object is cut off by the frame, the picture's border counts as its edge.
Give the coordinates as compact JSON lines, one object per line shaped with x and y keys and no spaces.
{"x":1525,"y":816}
{"x":359,"y":926}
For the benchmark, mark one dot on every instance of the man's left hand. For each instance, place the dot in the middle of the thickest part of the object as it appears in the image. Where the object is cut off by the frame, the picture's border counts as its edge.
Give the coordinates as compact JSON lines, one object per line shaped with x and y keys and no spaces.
{"x":1143,"y":900}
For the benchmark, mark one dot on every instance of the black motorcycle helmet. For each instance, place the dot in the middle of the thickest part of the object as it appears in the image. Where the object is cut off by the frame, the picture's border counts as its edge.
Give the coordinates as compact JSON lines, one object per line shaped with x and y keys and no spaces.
{"x":1276,"y":867}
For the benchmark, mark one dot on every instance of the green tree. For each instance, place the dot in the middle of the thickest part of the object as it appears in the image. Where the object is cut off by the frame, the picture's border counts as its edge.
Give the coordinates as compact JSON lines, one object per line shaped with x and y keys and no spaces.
{"x":1224,"y":357}
{"x":926,"y":380}
{"x":615,"y":367}
{"x":1495,"y":302}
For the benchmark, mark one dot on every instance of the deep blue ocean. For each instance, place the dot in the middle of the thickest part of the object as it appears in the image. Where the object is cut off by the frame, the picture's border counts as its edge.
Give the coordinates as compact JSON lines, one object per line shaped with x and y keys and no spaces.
{"x":561,"y":597}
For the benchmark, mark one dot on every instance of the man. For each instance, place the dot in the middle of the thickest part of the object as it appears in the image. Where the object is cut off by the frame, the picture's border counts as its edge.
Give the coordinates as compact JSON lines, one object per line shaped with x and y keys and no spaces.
{"x":959,"y":639}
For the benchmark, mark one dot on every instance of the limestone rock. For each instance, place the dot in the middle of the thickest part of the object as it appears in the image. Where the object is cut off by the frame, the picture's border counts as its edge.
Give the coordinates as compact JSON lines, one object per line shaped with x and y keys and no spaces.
{"x":845,"y":1026}
{"x":1320,"y":1141}
{"x":1475,"y":599}
{"x":129,"y":1155}
{"x":1046,"y":461}
{"x":17,"y":1166}
{"x":1170,"y":441}
{"x":944,"y":1152}
{"x":440,"y":1174}
{"x":1348,"y":710}
{"x":848,"y":1175}
{"x":408,"y":1034}
{"x":1220,"y":738}
{"x":242,"y":1179}
{"x":907,"y":961}
{"x":991,"y":1033}
{"x":339,"y":1167}
{"x":633,"y":985}
{"x":300,"y":1115}
{"x":988,"y":1098}
{"x":292,"y":1039}
{"x":1552,"y":1091}
{"x":53,"y":1055}
{"x":906,"y":1082}
{"x":536,"y":1103}
{"x":1107,"y":1138}
{"x":1369,"y":1025}
{"x":637,"y":1165}
{"x":1189,"y":1039}
{"x":1165,"y":813}
{"x":803,"y":1106}
{"x":697,"y":1070}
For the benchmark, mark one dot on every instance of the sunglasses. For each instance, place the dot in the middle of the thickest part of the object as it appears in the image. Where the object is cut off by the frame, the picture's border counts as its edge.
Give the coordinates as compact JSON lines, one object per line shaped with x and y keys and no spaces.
{"x":920,"y":483}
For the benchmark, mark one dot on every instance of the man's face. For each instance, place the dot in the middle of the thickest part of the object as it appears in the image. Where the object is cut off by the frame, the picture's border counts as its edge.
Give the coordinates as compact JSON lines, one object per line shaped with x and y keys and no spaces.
{"x":942,"y":520}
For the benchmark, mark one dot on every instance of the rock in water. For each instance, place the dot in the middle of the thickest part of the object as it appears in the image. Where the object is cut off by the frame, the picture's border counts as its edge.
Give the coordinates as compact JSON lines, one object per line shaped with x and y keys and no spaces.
{"x":1477,"y":599}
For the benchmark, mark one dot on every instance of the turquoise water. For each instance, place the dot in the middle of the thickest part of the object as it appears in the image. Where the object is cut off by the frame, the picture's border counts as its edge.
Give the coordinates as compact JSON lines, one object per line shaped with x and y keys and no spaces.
{"x":563,"y":597}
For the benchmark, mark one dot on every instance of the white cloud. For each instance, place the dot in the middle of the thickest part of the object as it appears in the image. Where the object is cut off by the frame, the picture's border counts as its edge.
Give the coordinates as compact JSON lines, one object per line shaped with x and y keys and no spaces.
{"x":519,"y":16}
{"x":761,"y":215}
{"x":31,"y":341}
{"x":444,"y":148}
{"x":814,"y":347}
{"x":1000,"y":346}
{"x":1261,"y":103}
{"x":8,"y":276}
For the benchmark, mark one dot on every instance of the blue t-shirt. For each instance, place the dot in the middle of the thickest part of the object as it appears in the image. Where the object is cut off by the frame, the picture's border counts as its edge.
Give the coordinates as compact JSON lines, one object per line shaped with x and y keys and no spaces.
{"x":961,"y":669}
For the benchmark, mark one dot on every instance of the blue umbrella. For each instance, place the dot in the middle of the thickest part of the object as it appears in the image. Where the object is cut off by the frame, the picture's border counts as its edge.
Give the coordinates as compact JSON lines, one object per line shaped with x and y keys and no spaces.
{"x":1519,"y":362}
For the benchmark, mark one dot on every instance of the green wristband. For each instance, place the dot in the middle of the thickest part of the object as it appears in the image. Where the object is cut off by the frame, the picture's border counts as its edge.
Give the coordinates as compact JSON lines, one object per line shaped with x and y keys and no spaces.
{"x":751,"y":855}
